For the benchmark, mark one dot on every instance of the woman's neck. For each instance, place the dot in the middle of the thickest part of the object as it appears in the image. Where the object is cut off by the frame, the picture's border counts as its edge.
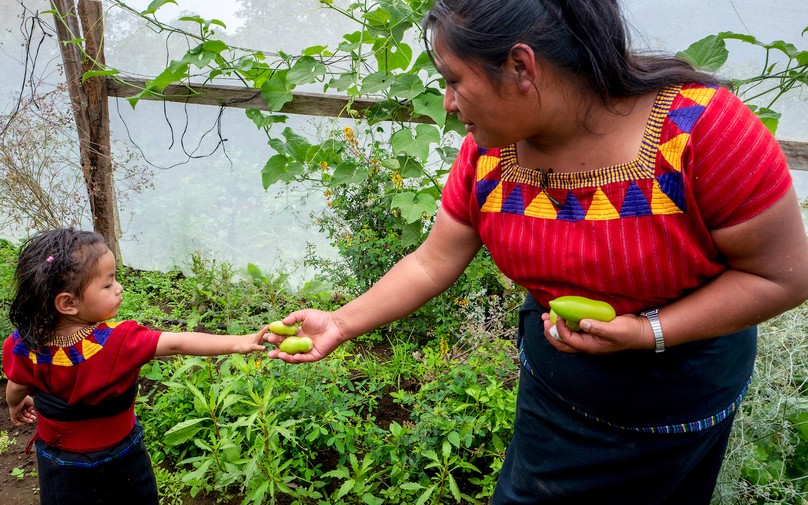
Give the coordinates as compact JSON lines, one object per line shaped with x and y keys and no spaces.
{"x":601,"y":137}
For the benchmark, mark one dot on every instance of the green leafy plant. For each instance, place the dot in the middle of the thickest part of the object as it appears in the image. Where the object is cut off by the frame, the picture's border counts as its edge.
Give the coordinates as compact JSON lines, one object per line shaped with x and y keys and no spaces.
{"x":784,"y":68}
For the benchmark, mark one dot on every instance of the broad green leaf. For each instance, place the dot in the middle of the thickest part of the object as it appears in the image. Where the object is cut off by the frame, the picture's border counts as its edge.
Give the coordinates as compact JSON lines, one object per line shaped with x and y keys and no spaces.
{"x":199,"y":59}
{"x":411,"y":234}
{"x":430,"y":104}
{"x":305,"y":71}
{"x":770,"y":118}
{"x":708,"y":54}
{"x":407,"y":86}
{"x":377,"y":81}
{"x":403,"y":141}
{"x":215,"y":46}
{"x":277,"y":91}
{"x":174,"y":73}
{"x":312,"y":50}
{"x":341,"y":83}
{"x":392,"y":56}
{"x":409,"y":167}
{"x":98,"y":73}
{"x":378,"y":17}
{"x":347,"y":173}
{"x":262,"y":120}
{"x":280,"y":168}
{"x":413,"y":206}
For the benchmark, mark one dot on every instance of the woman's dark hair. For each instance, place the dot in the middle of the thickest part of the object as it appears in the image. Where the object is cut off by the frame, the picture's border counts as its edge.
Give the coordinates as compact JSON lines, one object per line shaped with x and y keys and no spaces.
{"x":51,"y":262}
{"x":585,"y":39}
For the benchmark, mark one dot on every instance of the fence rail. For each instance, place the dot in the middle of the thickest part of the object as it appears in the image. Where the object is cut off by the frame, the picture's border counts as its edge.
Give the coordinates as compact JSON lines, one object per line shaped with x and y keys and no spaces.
{"x":321,"y":104}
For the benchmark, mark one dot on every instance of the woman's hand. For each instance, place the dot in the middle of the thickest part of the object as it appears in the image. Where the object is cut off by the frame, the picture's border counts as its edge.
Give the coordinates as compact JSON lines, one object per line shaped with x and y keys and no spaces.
{"x":319,"y":325}
{"x":22,"y":412}
{"x":597,"y":337}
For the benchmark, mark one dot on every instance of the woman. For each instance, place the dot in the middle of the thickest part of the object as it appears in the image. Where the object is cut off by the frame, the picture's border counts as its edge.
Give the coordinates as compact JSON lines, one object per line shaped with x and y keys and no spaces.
{"x":590,"y":170}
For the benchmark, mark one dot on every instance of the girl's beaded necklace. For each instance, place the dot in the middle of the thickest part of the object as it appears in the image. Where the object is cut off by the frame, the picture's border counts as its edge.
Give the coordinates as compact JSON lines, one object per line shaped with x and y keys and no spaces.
{"x":73,"y":338}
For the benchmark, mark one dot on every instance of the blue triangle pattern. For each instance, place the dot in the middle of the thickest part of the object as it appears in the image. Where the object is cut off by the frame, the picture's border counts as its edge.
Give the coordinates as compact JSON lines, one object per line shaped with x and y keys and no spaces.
{"x":74,"y":355}
{"x":635,"y":204}
{"x":571,"y":210}
{"x":514,"y":204}
{"x":686,"y":117}
{"x":671,"y":184}
{"x":101,"y":335}
{"x":484,"y":188}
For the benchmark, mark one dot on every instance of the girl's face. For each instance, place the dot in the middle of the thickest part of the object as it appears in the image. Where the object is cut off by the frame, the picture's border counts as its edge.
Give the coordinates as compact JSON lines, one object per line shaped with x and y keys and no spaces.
{"x":101,"y":297}
{"x":494,"y":114}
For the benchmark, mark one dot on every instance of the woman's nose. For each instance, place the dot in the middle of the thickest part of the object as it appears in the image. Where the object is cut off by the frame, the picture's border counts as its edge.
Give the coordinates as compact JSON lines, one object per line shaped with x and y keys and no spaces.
{"x":449,"y":100}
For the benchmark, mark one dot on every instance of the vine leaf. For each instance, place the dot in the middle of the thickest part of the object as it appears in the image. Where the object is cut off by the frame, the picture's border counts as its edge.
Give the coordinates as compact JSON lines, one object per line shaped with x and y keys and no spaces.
{"x":430,"y":104}
{"x":414,"y":205}
{"x":277,"y":90}
{"x":709,"y":53}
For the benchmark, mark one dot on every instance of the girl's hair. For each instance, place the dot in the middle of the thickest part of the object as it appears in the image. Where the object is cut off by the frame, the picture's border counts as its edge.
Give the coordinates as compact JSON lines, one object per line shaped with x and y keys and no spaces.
{"x":585,"y":39}
{"x":51,"y":262}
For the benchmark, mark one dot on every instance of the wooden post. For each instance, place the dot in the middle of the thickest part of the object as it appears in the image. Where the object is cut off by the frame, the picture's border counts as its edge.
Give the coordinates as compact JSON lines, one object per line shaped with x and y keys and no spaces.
{"x":90,"y":108}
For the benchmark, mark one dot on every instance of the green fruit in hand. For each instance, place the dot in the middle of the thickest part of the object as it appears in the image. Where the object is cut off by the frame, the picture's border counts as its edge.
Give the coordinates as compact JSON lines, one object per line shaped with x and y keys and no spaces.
{"x":574,"y":308}
{"x":295,"y":345}
{"x":279,"y":328}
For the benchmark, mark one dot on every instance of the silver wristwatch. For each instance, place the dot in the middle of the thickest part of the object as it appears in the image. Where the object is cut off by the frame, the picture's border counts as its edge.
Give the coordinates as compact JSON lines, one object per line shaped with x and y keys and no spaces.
{"x":653,"y":317}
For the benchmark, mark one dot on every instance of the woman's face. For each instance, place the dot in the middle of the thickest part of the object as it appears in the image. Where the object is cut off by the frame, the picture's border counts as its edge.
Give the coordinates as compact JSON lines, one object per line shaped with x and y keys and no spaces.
{"x":495,"y":114}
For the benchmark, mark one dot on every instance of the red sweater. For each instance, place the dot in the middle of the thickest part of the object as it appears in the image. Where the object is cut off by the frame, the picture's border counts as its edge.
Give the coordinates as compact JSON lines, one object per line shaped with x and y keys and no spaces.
{"x":636,"y":235}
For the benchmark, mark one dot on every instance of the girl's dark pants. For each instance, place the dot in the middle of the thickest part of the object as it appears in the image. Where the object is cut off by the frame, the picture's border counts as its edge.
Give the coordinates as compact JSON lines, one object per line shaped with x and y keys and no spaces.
{"x":121,"y":475}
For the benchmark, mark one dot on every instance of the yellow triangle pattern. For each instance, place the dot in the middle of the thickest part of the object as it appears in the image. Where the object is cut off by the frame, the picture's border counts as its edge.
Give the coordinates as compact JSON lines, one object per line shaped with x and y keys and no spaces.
{"x":494,"y":201}
{"x":601,"y":208}
{"x":113,"y":324}
{"x":60,"y":358}
{"x":701,"y":96}
{"x":672,"y":150}
{"x":32,"y":357}
{"x":661,"y":204}
{"x":485,"y":164}
{"x":542,"y":207}
{"x":89,"y":348}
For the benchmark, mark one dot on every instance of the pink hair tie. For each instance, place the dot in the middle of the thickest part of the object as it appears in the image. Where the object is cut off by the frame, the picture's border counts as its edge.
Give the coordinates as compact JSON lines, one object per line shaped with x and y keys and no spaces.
{"x":50,"y":259}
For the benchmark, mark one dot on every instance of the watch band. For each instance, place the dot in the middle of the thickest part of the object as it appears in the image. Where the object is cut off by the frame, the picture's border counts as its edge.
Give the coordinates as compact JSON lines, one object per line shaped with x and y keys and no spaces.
{"x":653,"y":318}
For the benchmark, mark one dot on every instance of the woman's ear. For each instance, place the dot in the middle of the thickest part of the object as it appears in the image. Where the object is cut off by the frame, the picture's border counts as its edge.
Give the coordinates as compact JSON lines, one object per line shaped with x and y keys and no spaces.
{"x":522,"y":62}
{"x":66,"y":303}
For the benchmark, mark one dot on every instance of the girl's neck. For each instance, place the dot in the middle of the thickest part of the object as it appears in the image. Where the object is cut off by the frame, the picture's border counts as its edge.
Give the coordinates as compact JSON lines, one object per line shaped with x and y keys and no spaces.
{"x":67,"y":328}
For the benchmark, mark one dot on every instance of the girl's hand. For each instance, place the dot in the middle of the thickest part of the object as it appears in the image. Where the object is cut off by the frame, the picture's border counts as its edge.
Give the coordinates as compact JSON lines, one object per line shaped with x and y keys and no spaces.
{"x":23,"y":412}
{"x":252,"y":342}
{"x":596,"y":337}
{"x":320,"y":326}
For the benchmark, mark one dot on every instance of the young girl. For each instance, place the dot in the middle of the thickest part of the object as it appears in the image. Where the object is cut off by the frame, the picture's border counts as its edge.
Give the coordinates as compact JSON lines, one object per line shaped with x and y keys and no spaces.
{"x":82,"y":372}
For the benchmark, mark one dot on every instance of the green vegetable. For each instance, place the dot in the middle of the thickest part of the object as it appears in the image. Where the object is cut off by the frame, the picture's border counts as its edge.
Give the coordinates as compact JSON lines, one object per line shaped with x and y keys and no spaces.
{"x":279,"y":328}
{"x":294,"y":345}
{"x":574,"y":308}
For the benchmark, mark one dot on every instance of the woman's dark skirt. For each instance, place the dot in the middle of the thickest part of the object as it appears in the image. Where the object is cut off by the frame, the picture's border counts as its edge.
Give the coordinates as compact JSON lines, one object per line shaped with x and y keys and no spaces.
{"x":632,"y":428}
{"x":122,"y":475}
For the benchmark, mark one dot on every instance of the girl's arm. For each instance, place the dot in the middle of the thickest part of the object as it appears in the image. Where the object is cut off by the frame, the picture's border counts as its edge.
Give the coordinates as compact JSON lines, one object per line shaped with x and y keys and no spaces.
{"x":20,"y":404}
{"x":205,"y":344}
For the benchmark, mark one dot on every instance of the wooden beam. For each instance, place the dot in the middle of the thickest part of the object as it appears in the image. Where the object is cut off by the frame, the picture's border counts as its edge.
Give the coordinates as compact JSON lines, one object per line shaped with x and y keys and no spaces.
{"x":308,"y":104}
{"x":321,"y":104}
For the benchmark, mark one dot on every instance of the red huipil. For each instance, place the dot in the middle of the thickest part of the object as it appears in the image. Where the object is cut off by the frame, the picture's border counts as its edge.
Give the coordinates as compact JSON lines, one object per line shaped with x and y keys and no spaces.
{"x":636,"y":235}
{"x":84,"y":371}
